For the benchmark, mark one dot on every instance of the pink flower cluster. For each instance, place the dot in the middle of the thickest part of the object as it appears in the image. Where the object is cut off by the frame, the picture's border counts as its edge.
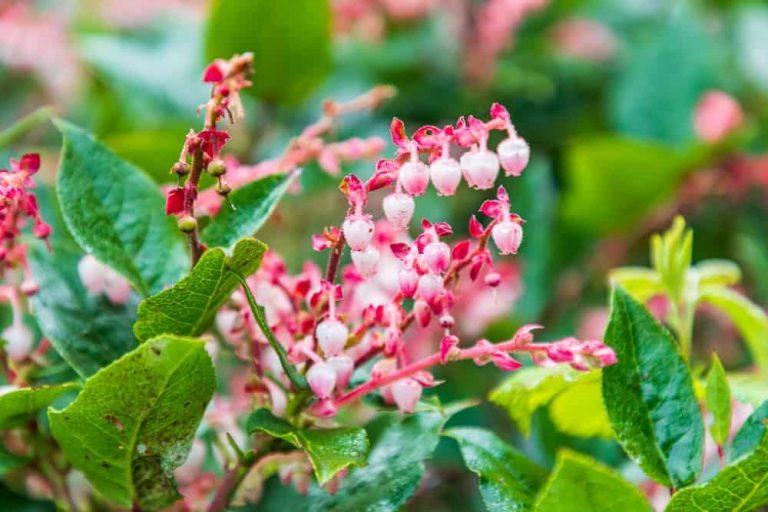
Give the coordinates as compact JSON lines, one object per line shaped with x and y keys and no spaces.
{"x":394,"y":281}
{"x":18,"y":205}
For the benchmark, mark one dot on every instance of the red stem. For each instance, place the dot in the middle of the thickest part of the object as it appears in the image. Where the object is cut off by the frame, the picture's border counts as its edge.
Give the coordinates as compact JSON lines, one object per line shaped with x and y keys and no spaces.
{"x":432,"y":360}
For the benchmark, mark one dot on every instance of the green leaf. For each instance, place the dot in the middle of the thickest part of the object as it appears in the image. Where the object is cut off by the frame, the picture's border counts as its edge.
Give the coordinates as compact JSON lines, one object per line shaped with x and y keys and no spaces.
{"x":260,"y":315}
{"x":117,"y":213}
{"x":10,"y":462}
{"x":329,"y":450}
{"x":18,"y":406}
{"x":134,"y":421}
{"x":640,"y":282}
{"x":251,"y":207}
{"x":581,"y":483}
{"x":394,"y":470}
{"x":188,"y":308}
{"x":719,"y":401}
{"x":87,"y":330}
{"x":649,"y":395}
{"x":528,"y":389}
{"x":509,"y":480}
{"x":671,"y":257}
{"x":738,"y":487}
{"x":290,"y":41}
{"x":579,"y":411}
{"x":599,"y":198}
{"x":717,"y":273}
{"x":749,"y":319}
{"x":749,"y":436}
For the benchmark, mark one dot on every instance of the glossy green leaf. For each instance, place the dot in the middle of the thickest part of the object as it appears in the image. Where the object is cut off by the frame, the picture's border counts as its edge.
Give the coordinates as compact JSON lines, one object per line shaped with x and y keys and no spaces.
{"x":649,"y":395}
{"x":748,"y":317}
{"x":18,"y":406}
{"x":738,"y":487}
{"x":528,"y":389}
{"x":251,"y":207}
{"x":395,"y":468}
{"x":509,"y":480}
{"x":188,"y":308}
{"x":579,"y":411}
{"x":599,"y":198}
{"x":719,"y":401}
{"x":290,"y":42}
{"x":751,"y":432}
{"x":87,"y":330}
{"x":581,"y":483}
{"x":117,"y":213}
{"x":133,"y":422}
{"x":329,"y":450}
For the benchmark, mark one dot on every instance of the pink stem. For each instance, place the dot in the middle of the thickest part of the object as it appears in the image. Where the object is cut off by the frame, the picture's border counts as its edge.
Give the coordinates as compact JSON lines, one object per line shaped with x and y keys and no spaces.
{"x":432,"y":360}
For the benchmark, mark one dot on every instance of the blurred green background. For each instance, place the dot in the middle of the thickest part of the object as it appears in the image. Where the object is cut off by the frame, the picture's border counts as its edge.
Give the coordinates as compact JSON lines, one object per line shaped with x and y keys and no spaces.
{"x":604,"y":91}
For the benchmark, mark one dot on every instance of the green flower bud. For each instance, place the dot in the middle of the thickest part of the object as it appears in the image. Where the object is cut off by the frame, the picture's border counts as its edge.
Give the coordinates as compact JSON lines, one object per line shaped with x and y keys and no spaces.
{"x":187,"y":224}
{"x":217,"y":168}
{"x":223,"y":188}
{"x":180,"y":168}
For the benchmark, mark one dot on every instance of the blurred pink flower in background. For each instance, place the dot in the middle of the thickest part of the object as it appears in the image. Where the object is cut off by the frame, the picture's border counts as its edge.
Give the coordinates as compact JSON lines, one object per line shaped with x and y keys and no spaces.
{"x":496,"y":23}
{"x":584,"y":39}
{"x":717,"y":115}
{"x":39,"y":42}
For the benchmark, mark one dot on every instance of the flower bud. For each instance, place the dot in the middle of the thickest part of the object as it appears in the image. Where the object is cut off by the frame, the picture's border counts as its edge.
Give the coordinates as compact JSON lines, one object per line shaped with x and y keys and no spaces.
{"x":446,"y":321}
{"x":437,"y":256}
{"x":492,"y":279}
{"x":423,"y":312}
{"x":507,"y":236}
{"x":332,"y":336}
{"x":480,"y":168}
{"x":216,"y":168}
{"x":366,"y":261}
{"x":187,"y":224}
{"x":430,"y":286}
{"x":514,"y":154}
{"x":343,"y":366}
{"x":321,"y":378}
{"x":116,"y":287}
{"x":180,"y":168}
{"x":18,"y":341}
{"x":446,"y":175}
{"x":358,"y":232}
{"x":409,"y":281}
{"x":91,"y":274}
{"x":223,"y":188}
{"x":414,"y":177}
{"x":398,"y":208}
{"x":30,"y":287}
{"x":406,"y":393}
